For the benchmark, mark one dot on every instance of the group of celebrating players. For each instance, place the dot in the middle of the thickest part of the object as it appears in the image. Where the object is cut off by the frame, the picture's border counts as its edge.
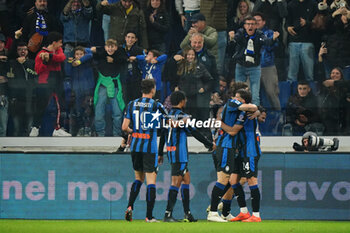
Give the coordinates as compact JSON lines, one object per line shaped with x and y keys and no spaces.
{"x":236,"y":153}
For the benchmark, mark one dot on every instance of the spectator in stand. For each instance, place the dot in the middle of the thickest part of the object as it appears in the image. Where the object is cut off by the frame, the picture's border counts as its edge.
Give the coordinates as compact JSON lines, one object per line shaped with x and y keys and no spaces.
{"x":275,"y":12}
{"x":21,"y":82}
{"x":125,"y":16}
{"x":210,"y":35}
{"x":48,"y":67}
{"x":195,"y":81}
{"x":302,"y":112}
{"x":151,"y":66}
{"x":204,"y":57}
{"x":83,"y":83}
{"x":336,"y":49}
{"x":215,"y":13}
{"x":111,"y":62}
{"x":157,"y":20}
{"x":37,"y":25}
{"x":106,"y":19}
{"x":269,"y":78}
{"x":186,"y":9}
{"x":301,"y":47}
{"x":133,"y":75}
{"x":3,"y":87}
{"x":247,"y":44}
{"x":244,"y":9}
{"x":218,"y":99}
{"x":76,"y":17}
{"x":335,"y":104}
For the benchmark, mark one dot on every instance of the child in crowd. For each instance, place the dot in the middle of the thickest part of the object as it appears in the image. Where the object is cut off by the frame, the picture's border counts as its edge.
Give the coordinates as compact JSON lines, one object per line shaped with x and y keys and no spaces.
{"x":48,"y":67}
{"x":151,"y":66}
{"x":110,"y":63}
{"x":80,"y":70}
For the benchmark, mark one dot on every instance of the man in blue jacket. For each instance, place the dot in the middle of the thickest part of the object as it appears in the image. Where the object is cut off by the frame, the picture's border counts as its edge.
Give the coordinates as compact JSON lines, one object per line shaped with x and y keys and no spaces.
{"x":269,"y":78}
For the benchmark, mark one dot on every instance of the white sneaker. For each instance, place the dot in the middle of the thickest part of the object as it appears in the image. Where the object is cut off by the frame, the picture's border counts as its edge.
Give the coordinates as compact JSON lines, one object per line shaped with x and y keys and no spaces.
{"x":34,"y":132}
{"x":228,"y":217}
{"x":214,"y":217}
{"x":60,"y":133}
{"x":151,"y":220}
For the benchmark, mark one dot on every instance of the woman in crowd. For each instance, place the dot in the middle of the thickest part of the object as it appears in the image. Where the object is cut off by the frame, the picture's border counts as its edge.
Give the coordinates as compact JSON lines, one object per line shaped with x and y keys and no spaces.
{"x":194,"y":80}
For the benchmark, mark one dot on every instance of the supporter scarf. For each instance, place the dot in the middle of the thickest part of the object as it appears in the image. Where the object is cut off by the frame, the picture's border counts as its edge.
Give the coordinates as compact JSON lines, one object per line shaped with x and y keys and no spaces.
{"x":40,"y":25}
{"x":249,"y":51}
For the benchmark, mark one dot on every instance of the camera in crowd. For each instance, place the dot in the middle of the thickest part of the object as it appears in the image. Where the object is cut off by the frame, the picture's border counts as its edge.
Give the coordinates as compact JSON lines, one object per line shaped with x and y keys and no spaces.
{"x":311,"y":142}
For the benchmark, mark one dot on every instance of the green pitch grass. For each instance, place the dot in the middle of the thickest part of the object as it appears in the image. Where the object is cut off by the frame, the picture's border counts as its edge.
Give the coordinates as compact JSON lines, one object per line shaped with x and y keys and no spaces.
{"x":118,"y":226}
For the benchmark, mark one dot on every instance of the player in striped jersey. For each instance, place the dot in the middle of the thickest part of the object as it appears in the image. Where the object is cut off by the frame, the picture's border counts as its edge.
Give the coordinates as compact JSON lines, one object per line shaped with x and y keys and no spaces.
{"x":233,"y":116}
{"x":177,"y":152}
{"x":246,"y":165}
{"x":146,"y":116}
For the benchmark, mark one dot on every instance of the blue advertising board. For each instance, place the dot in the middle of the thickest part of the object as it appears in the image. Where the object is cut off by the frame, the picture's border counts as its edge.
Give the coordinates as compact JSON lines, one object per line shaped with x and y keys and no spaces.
{"x":96,"y":186}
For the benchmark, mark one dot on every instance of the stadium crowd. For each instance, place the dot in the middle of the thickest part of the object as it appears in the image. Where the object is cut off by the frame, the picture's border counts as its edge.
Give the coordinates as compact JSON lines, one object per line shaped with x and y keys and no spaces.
{"x":70,"y":67}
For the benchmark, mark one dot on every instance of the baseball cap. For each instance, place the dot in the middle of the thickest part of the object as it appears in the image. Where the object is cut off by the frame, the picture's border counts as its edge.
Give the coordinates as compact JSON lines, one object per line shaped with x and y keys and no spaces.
{"x":2,"y":37}
{"x":198,"y":17}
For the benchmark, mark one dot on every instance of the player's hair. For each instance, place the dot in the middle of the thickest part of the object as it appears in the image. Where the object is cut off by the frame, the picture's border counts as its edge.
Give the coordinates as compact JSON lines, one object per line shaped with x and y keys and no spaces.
{"x":53,"y":37}
{"x":245,"y":94}
{"x":79,"y":48}
{"x":155,"y":52}
{"x":147,"y":85}
{"x":236,"y":86}
{"x":111,"y":42}
{"x":176,"y":97}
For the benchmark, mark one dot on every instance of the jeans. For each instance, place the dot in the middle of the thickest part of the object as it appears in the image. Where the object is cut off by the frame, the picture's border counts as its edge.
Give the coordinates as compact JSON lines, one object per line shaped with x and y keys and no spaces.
{"x":106,"y":19}
{"x":222,"y":41}
{"x":100,"y":110}
{"x":254,"y":74}
{"x":4,"y":104}
{"x":304,"y":53}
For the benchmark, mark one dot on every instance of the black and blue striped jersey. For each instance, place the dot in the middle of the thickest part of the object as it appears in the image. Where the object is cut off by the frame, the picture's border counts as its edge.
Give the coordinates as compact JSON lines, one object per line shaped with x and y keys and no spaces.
{"x":147,"y":116}
{"x":176,"y":138}
{"x":231,"y":116}
{"x":248,"y":139}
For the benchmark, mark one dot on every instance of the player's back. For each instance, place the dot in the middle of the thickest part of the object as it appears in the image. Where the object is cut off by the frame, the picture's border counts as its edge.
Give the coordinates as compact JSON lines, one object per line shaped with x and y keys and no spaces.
{"x":177,"y":139}
{"x":146,"y":116}
{"x":230,"y":115}
{"x":248,"y":140}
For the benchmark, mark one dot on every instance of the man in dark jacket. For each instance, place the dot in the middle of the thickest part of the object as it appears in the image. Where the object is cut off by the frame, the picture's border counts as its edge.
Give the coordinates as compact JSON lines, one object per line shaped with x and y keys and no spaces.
{"x":247,"y":43}
{"x":125,"y":16}
{"x":38,"y":24}
{"x":301,"y":48}
{"x":21,"y":84}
